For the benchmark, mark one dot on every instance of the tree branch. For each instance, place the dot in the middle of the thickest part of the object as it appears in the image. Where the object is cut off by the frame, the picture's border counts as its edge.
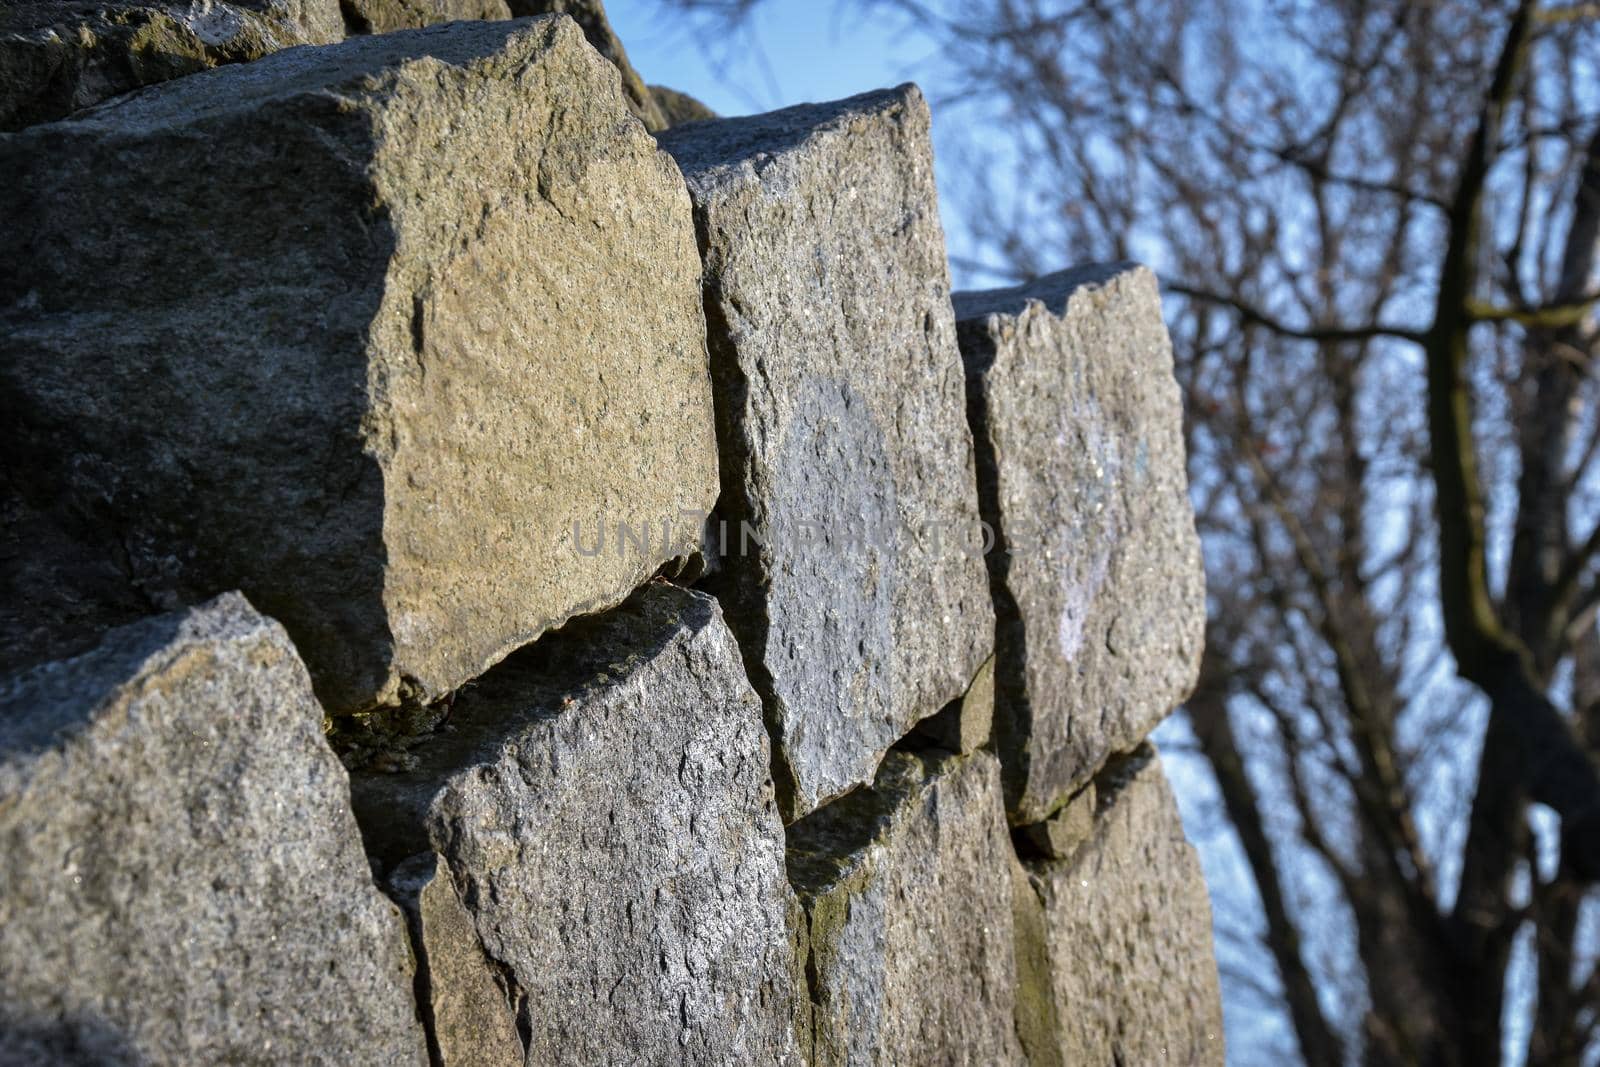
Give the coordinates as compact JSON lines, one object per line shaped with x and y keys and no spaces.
{"x":1209,"y":713}
{"x":1574,"y":13}
{"x":1554,"y":766}
{"x":1547,"y":317}
{"x":1327,"y":334}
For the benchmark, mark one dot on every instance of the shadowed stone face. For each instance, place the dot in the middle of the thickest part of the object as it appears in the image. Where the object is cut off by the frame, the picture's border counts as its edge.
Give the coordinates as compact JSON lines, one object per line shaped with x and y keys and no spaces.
{"x":1120,"y":969}
{"x":58,"y":56}
{"x":603,"y":804}
{"x":386,"y":16}
{"x":859,"y":604}
{"x":183,"y":881}
{"x":1097,"y":578}
{"x":906,"y":891}
{"x":397,"y":315}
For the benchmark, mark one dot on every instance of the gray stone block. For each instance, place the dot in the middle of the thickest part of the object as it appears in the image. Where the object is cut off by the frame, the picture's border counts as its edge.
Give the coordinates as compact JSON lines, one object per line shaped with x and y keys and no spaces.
{"x":860,"y":598}
{"x":590,"y":15}
{"x":906,"y":890}
{"x":386,"y":16}
{"x":604,"y":805}
{"x":183,"y":879}
{"x":678,"y":108}
{"x":1098,"y":584}
{"x":1118,"y":966}
{"x":368,"y":331}
{"x":469,"y":1019}
{"x":58,"y":56}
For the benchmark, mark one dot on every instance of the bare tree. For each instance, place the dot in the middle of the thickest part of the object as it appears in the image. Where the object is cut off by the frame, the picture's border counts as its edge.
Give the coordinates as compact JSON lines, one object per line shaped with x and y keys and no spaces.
{"x":1378,"y":223}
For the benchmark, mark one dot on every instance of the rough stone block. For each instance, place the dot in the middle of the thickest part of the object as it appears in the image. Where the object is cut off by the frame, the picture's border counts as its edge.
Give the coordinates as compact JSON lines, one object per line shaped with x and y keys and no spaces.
{"x":590,"y":15}
{"x":1117,"y":965}
{"x":183,"y":879}
{"x":604,"y":805}
{"x":470,"y":1022}
{"x":366,"y":331}
{"x":386,"y":16}
{"x":678,"y":108}
{"x":858,"y":593}
{"x":906,"y":890}
{"x":57,"y":56}
{"x":1096,"y":572}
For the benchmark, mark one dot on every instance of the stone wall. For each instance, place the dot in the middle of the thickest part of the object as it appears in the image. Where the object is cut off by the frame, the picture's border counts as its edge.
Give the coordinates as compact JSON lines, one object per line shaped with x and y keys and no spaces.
{"x":493,"y":576}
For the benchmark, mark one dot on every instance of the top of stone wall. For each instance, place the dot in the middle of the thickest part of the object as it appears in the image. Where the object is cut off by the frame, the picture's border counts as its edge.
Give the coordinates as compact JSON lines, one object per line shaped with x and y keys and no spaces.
{"x":59,"y":56}
{"x":381,"y":363}
{"x":425,"y":344}
{"x":844,"y":444}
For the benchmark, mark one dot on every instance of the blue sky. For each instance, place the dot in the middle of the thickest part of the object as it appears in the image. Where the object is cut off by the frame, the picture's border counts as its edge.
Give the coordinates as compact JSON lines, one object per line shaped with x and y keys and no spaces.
{"x":795,"y":53}
{"x":806,"y":52}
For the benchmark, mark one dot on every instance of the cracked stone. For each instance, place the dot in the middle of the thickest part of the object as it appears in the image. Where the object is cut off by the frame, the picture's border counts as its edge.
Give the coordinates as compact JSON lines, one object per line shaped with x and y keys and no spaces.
{"x":1118,"y":966}
{"x":1059,"y":836}
{"x":906,"y":891}
{"x":604,"y":806}
{"x":967,"y":724}
{"x":333,"y":364}
{"x":850,"y":570}
{"x":470,"y":1021}
{"x":1098,"y":585}
{"x":184,"y":881}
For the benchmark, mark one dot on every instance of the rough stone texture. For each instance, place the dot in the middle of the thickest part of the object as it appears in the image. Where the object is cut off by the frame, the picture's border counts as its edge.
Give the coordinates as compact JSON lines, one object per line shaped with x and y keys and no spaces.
{"x":57,"y":56}
{"x":386,"y":16}
{"x":470,"y":1022}
{"x":657,"y":107}
{"x":906,"y":889}
{"x":1096,"y":573}
{"x":1059,"y":836}
{"x":365,"y":331}
{"x":604,"y":804}
{"x":967,"y":724}
{"x":1126,"y":973}
{"x":183,"y":880}
{"x":590,"y":15}
{"x":862,"y":607}
{"x":678,"y":108}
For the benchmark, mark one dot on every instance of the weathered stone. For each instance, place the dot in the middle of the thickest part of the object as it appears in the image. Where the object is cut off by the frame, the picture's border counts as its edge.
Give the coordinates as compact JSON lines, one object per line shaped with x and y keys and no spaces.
{"x":386,"y":16}
{"x":678,"y":108}
{"x":648,"y":103}
{"x":183,"y":880}
{"x":61,"y":586}
{"x":57,"y":56}
{"x":906,"y":889}
{"x":604,"y":804}
{"x":590,"y":15}
{"x":1059,"y":836}
{"x":1125,"y":973}
{"x":1096,"y":572}
{"x":470,"y":1021}
{"x":965,"y":725}
{"x":860,"y":600}
{"x":366,"y":331}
